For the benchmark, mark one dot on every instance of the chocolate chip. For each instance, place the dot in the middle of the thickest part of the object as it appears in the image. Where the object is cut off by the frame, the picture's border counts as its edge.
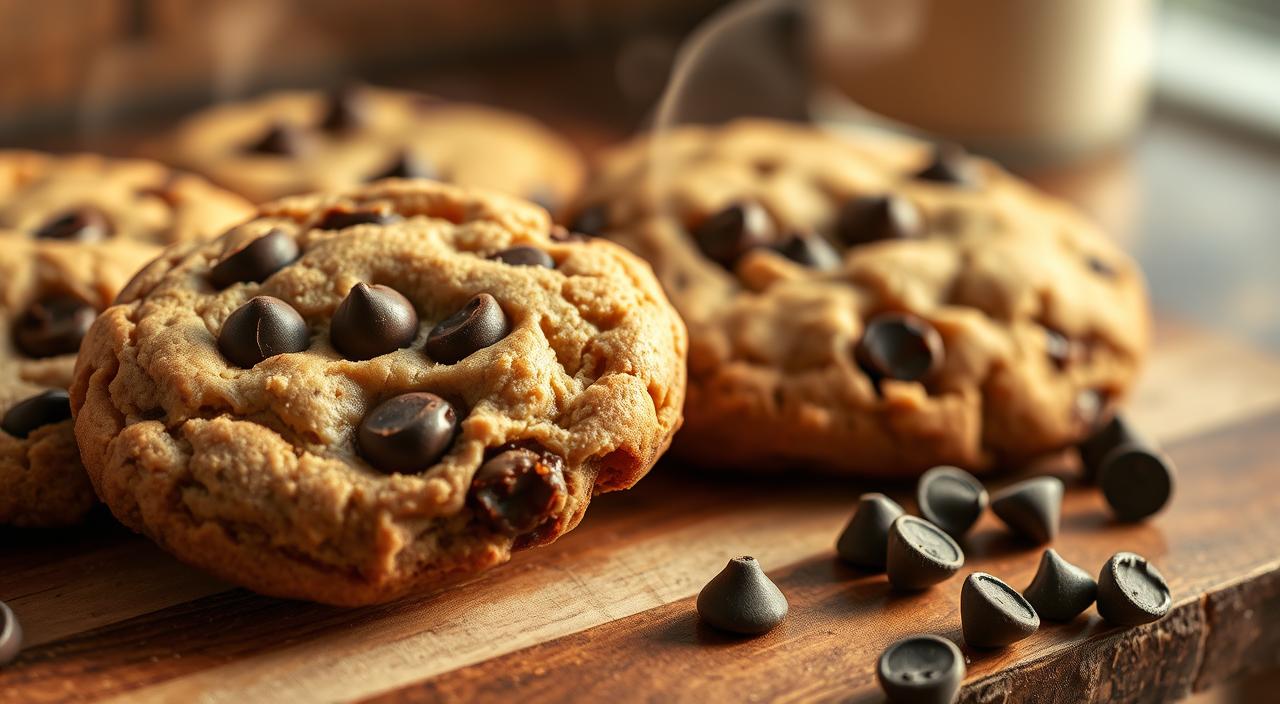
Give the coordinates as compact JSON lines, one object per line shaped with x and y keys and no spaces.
{"x":407,"y":165}
{"x":1131,"y":591}
{"x":727,"y":235}
{"x":899,"y":346}
{"x":951,"y":165}
{"x":342,"y":218}
{"x":408,"y":433}
{"x":280,"y":139}
{"x":519,"y":489}
{"x":347,"y":110}
{"x":1097,"y":446}
{"x":524,"y":255}
{"x":920,"y":554}
{"x":256,"y":260}
{"x":372,"y":321}
{"x":1136,"y":480}
{"x":260,"y":329}
{"x":79,"y":225}
{"x":866,"y":538}
{"x":1060,"y":591}
{"x":1032,"y":508}
{"x":45,"y":408}
{"x":10,"y":635}
{"x":951,"y":499}
{"x":875,"y":218}
{"x":591,"y":220}
{"x":810,"y":250}
{"x":993,"y":614}
{"x":53,"y":326}
{"x":475,"y":326}
{"x":742,"y":599}
{"x":921,"y":669}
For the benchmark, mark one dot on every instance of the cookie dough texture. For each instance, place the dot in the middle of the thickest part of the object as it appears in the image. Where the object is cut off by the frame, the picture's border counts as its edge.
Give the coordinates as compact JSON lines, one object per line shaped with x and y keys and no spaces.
{"x":464,"y":144}
{"x":254,"y":474}
{"x":1044,"y":321}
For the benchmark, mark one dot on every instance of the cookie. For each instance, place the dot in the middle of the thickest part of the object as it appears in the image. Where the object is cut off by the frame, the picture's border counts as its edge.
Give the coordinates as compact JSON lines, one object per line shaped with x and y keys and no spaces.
{"x":382,"y":389}
{"x":872,"y":307}
{"x":295,"y":142}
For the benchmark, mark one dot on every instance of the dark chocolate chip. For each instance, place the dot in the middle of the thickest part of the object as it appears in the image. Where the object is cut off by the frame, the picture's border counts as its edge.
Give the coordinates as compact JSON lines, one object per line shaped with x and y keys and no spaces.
{"x":256,"y":260}
{"x":262,"y":328}
{"x":921,"y":669}
{"x":53,"y":326}
{"x":951,"y":499}
{"x":45,"y":408}
{"x":79,"y":225}
{"x":525,"y":255}
{"x":899,"y":346}
{"x":347,"y":110}
{"x":920,"y":554}
{"x":280,"y":139}
{"x":993,"y":614}
{"x":727,"y":235}
{"x":951,"y":165}
{"x":1101,"y":268}
{"x":1060,"y":591}
{"x":1098,"y":445}
{"x":473,"y":327}
{"x":591,"y":220}
{"x":742,"y":599}
{"x":406,"y":164}
{"x":865,"y":539}
{"x":10,"y":635}
{"x":519,"y":489}
{"x":1131,"y":591}
{"x":408,"y":433}
{"x":1136,"y":480}
{"x":876,"y":218}
{"x":810,"y":250}
{"x":372,"y":321}
{"x":342,"y":218}
{"x":1032,"y":508}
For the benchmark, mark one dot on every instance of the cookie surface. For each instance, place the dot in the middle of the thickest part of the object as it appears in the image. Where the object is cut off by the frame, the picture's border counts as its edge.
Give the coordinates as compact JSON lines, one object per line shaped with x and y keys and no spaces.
{"x":414,"y":393}
{"x":870,"y":307}
{"x":294,"y":142}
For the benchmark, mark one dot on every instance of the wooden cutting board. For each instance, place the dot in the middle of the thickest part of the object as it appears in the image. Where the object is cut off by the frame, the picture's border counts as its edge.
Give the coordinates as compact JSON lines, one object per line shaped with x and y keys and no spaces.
{"x":607,"y":614}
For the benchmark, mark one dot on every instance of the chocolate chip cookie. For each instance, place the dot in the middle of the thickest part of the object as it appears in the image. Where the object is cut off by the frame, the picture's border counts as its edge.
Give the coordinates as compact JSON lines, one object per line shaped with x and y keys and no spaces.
{"x":295,"y":142}
{"x":356,"y":395}
{"x":872,"y":307}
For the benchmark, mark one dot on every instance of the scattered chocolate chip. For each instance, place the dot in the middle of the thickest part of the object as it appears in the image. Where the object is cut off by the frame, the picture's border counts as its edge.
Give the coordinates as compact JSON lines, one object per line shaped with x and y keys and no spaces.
{"x":53,"y":326}
{"x":79,"y":225}
{"x":742,"y":599}
{"x":1060,"y":591}
{"x":875,"y":218}
{"x":256,"y":260}
{"x":372,"y":321}
{"x":727,"y":235}
{"x":473,"y":327}
{"x":525,"y":255}
{"x":519,"y":489}
{"x":1131,"y":591}
{"x":592,"y":220}
{"x":920,"y":554}
{"x":899,"y":346}
{"x":1097,"y":446}
{"x":407,"y":165}
{"x":407,"y":433}
{"x":950,"y":165}
{"x":1101,"y":268}
{"x":993,"y":614}
{"x":45,"y":408}
{"x":951,"y":499}
{"x":1136,"y":480}
{"x":280,"y":139}
{"x":810,"y":250}
{"x":1032,"y":508}
{"x":342,"y":218}
{"x":865,"y":539}
{"x":262,"y":328}
{"x":10,"y":635}
{"x":347,"y":110}
{"x":921,"y":669}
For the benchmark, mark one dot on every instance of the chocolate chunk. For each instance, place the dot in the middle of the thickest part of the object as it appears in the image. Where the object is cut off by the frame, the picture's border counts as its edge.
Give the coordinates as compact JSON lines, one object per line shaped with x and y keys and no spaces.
{"x":408,"y":433}
{"x":407,"y":165}
{"x":53,"y":326}
{"x":262,"y":328}
{"x":865,"y":539}
{"x":920,"y":554}
{"x":921,"y":669}
{"x":1032,"y":508}
{"x":727,"y":235}
{"x":742,"y":599}
{"x":951,"y":165}
{"x":525,"y":255}
{"x":1131,"y":591}
{"x":1097,"y":446}
{"x":1136,"y":480}
{"x":519,"y":489}
{"x":79,"y":225}
{"x":475,"y":326}
{"x":10,"y":635}
{"x":342,"y":218}
{"x":256,"y":260}
{"x":280,"y":139}
{"x":372,"y":321}
{"x":810,"y":250}
{"x":591,"y":220}
{"x":45,"y":408}
{"x":951,"y":499}
{"x":899,"y":346}
{"x":1060,"y":591}
{"x":347,"y":110}
{"x":993,"y":614}
{"x":876,"y":218}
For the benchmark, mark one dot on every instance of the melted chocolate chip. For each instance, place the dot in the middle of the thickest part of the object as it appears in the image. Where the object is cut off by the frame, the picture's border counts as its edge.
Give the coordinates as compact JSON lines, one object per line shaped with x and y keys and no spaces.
{"x":875,"y":218}
{"x":53,"y":326}
{"x":899,"y":346}
{"x":408,"y":433}
{"x":257,"y":260}
{"x":45,"y":408}
{"x":727,"y":235}
{"x":79,"y":225}
{"x":592,"y":220}
{"x":525,"y":255}
{"x":950,"y":165}
{"x":372,"y":321}
{"x":406,"y":164}
{"x":478,"y":324}
{"x":347,"y":110}
{"x":280,"y":139}
{"x":342,"y":218}
{"x":262,"y":328}
{"x":518,"y":490}
{"x":810,"y":250}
